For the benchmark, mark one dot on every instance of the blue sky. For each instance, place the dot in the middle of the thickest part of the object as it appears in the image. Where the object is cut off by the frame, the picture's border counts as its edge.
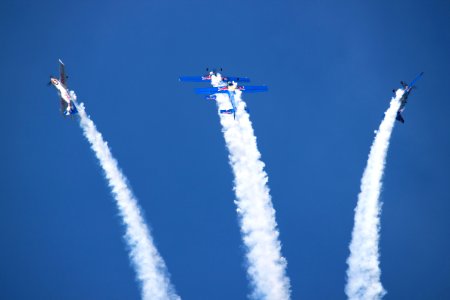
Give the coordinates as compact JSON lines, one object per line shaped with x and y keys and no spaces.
{"x":330,"y":67}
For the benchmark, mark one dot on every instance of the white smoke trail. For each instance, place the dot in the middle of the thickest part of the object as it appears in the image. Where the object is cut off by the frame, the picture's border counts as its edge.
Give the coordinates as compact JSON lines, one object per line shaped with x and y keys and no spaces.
{"x":150,"y":267}
{"x":266,"y":266}
{"x":363,"y":271}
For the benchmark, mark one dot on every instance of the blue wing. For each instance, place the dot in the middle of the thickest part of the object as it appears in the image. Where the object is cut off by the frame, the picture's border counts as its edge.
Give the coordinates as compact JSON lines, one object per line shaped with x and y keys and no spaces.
{"x":235,"y":79}
{"x":209,"y":91}
{"x":415,"y":79}
{"x":194,"y":78}
{"x":254,"y":89}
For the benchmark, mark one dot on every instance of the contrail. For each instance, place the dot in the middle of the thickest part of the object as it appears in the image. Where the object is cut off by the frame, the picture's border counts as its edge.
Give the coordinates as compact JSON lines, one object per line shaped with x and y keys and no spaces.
{"x":149,"y":266}
{"x":266,"y":266}
{"x":363,"y":271}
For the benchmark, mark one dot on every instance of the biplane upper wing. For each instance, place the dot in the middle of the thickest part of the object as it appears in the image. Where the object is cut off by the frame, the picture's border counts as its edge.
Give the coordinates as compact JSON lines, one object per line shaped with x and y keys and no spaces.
{"x":207,"y":78}
{"x":195,"y":78}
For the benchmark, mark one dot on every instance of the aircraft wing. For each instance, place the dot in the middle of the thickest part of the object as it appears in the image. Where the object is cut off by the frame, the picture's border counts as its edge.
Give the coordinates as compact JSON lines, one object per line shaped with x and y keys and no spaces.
{"x":235,"y":79}
{"x":209,"y":91}
{"x":195,"y":78}
{"x":62,"y":73}
{"x":253,"y":89}
{"x":207,"y":78}
{"x":415,"y":79}
{"x":64,"y":105}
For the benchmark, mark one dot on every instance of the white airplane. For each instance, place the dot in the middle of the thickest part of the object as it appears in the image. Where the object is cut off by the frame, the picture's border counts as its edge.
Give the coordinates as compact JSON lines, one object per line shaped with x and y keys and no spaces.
{"x":67,"y":106}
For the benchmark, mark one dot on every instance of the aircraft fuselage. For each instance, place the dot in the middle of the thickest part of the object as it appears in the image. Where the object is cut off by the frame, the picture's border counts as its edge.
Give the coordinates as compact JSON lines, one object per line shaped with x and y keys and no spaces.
{"x":63,"y":92}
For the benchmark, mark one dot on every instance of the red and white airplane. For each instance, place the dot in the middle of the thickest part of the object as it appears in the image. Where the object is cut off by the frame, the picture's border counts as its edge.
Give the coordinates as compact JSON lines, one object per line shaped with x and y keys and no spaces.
{"x":67,"y":105}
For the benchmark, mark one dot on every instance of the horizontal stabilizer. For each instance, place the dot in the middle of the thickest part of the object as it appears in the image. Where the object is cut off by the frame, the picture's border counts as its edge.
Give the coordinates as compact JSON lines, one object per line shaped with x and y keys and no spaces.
{"x":73,"y":110}
{"x":400,"y":118}
{"x":70,"y":110}
{"x":227,"y":111}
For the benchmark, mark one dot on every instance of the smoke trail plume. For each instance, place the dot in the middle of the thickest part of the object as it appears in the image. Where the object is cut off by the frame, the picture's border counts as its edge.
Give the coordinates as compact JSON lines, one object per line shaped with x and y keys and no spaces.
{"x":363,"y":263}
{"x":266,"y":266}
{"x":150,"y":267}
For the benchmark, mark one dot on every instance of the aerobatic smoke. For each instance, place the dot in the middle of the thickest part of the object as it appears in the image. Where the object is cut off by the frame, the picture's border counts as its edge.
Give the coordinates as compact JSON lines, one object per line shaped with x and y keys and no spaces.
{"x":363,"y":263}
{"x":150,"y":267}
{"x":266,"y":266}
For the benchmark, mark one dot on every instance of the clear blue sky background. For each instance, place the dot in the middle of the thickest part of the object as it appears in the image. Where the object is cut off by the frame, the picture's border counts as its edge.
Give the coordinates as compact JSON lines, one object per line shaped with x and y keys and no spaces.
{"x":330,"y":67}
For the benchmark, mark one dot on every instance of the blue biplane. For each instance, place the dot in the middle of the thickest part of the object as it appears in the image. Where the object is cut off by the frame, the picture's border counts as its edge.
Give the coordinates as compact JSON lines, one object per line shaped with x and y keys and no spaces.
{"x":226,"y":84}
{"x":407,"y":88}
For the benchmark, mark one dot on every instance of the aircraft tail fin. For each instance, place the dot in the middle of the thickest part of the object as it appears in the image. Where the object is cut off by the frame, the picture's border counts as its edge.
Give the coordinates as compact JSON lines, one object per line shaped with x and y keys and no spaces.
{"x":71,"y":110}
{"x":400,"y":117}
{"x":227,"y":111}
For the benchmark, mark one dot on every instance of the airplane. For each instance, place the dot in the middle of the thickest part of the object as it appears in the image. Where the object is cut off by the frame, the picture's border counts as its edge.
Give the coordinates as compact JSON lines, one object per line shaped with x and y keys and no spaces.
{"x":230,"y":88}
{"x":407,"y":88}
{"x":209,"y":74}
{"x":67,"y":106}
